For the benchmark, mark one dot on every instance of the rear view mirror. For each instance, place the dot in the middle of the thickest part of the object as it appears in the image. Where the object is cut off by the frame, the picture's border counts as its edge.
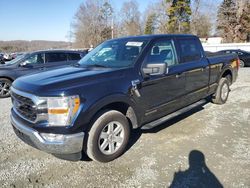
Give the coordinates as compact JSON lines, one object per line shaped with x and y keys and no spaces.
{"x":155,"y":69}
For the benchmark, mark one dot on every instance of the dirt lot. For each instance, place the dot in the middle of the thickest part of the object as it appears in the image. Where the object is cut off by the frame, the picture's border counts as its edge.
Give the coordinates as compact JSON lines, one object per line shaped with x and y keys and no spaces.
{"x":208,"y":146}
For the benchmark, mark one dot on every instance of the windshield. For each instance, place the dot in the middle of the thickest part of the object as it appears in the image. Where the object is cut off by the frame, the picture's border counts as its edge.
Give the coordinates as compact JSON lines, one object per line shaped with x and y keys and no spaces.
{"x":114,"y":54}
{"x":15,"y":60}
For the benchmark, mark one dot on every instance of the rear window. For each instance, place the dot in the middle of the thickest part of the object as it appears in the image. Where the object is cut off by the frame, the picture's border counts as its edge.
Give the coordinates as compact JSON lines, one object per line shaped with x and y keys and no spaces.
{"x":74,"y":56}
{"x":190,"y":50}
{"x":55,"y":57}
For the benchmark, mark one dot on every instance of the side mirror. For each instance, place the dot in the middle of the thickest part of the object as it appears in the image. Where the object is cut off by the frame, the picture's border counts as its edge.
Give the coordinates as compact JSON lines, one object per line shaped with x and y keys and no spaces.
{"x":155,"y":69}
{"x":23,"y":64}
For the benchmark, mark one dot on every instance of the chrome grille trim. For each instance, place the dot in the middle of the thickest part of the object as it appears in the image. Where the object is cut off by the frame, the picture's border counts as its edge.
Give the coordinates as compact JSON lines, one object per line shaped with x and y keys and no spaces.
{"x":30,"y":103}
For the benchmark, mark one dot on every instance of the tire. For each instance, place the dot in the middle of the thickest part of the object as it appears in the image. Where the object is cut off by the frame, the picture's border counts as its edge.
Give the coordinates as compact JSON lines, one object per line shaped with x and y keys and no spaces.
{"x":229,"y":78}
{"x":242,"y":63}
{"x":108,"y":136}
{"x":222,"y":92}
{"x":5,"y":85}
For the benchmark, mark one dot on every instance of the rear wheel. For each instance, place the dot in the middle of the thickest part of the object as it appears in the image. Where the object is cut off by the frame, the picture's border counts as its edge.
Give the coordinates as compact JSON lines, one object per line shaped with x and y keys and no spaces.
{"x":108,"y":137}
{"x":222,"y":92}
{"x":242,"y":63}
{"x":5,"y":85}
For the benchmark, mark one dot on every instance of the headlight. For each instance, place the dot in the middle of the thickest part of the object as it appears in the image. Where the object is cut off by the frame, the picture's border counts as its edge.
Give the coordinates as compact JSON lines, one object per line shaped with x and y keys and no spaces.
{"x":61,"y":110}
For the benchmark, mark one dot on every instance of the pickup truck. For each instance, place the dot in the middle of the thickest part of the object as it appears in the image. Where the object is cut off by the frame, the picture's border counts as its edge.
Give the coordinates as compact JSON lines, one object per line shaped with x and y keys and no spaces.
{"x":123,"y":84}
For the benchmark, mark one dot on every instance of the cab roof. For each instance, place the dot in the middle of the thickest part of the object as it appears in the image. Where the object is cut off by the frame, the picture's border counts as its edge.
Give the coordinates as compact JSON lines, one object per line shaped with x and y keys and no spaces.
{"x":155,"y":36}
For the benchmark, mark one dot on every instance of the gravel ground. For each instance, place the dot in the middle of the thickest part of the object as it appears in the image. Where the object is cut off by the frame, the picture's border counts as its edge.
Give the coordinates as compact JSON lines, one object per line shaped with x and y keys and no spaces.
{"x":208,"y":146}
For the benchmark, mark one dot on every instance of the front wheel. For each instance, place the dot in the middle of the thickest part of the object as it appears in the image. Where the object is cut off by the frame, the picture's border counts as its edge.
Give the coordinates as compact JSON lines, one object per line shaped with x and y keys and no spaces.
{"x":5,"y":85}
{"x":108,"y":136}
{"x":222,"y":92}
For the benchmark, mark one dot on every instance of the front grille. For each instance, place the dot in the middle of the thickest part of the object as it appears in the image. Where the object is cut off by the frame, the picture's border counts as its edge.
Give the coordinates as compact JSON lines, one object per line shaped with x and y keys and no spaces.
{"x":24,"y":106}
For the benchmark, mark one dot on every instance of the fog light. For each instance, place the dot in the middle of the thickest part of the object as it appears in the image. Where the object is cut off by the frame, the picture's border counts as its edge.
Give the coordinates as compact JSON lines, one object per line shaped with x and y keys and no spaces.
{"x":53,"y":137}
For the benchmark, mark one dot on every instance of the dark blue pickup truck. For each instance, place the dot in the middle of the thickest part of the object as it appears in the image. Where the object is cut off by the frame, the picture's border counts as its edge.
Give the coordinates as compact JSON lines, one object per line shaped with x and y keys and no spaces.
{"x":121,"y":85}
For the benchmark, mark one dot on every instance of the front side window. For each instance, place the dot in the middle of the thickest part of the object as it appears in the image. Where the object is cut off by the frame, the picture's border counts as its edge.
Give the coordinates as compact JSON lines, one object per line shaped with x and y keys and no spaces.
{"x":114,"y":54}
{"x":35,"y":59}
{"x":190,"y":50}
{"x":162,"y":51}
{"x":55,"y":57}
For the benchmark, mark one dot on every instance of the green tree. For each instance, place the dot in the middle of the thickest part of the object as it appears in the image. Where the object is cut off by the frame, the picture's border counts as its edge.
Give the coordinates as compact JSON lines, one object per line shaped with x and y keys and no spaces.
{"x":179,"y":14}
{"x":150,"y":24}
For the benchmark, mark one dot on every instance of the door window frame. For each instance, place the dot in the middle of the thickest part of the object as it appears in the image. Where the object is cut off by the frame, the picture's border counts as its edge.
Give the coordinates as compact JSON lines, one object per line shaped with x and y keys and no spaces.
{"x":150,"y":46}
{"x":46,"y":53}
{"x":180,"y":51}
{"x":34,"y":54}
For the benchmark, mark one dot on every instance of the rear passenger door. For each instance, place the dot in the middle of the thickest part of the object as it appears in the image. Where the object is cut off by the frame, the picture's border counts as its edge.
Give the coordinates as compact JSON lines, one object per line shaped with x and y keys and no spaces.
{"x":55,"y":60}
{"x":196,"y":68}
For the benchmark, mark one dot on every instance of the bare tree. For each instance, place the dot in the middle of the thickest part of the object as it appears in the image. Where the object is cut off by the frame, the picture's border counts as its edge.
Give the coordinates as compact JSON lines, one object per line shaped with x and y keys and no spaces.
{"x":233,"y":21}
{"x":158,"y":8}
{"x":201,"y":19}
{"x":91,"y":23}
{"x":131,"y":19}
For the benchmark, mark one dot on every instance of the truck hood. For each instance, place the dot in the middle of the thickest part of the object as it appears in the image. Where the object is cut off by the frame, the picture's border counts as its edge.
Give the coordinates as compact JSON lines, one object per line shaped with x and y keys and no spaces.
{"x":64,"y":80}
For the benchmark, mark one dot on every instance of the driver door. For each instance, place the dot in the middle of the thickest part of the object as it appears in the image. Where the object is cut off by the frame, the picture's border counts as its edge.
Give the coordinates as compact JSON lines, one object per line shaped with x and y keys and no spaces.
{"x":161,"y":94}
{"x":32,"y":64}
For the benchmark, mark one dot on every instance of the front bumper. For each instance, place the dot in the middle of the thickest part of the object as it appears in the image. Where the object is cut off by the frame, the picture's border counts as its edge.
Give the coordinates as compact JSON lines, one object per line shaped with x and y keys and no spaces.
{"x":68,"y":143}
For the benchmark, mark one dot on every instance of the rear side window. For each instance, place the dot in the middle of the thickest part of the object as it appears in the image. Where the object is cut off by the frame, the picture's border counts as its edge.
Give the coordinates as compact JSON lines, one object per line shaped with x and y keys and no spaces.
{"x":55,"y":57}
{"x":190,"y":50}
{"x":74,"y":56}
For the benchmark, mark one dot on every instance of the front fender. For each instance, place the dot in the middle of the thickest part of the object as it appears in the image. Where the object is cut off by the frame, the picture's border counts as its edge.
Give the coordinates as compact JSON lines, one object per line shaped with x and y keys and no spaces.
{"x":85,"y":117}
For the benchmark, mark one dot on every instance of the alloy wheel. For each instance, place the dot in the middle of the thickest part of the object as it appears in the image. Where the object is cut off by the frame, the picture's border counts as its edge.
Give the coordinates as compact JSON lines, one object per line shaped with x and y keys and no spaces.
{"x":111,"y":138}
{"x":4,"y":89}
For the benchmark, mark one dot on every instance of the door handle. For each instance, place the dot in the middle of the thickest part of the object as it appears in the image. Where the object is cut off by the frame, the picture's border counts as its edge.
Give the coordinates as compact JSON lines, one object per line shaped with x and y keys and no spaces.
{"x":42,"y":68}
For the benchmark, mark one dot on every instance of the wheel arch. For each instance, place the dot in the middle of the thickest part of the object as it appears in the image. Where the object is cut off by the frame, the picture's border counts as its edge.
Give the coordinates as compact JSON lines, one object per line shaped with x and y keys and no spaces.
{"x":121,"y":103}
{"x":227,"y":72}
{"x":6,"y":77}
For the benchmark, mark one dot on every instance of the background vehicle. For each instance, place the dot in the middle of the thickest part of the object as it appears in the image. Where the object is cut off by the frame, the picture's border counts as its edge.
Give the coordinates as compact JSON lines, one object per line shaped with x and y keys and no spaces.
{"x":35,"y":62}
{"x":120,"y":85}
{"x":7,"y":57}
{"x":244,"y":56}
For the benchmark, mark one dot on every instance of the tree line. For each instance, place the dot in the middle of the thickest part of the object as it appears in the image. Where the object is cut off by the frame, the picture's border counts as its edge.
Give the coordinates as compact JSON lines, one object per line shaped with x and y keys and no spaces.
{"x":96,"y":20}
{"x":26,"y":46}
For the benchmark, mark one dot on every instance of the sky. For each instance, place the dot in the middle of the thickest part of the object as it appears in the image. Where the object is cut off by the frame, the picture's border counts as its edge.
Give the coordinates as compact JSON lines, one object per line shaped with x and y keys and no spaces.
{"x":43,"y":19}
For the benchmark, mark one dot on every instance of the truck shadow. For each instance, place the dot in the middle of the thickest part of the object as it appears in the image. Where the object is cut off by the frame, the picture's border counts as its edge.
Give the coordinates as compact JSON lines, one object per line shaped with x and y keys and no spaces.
{"x":197,"y":175}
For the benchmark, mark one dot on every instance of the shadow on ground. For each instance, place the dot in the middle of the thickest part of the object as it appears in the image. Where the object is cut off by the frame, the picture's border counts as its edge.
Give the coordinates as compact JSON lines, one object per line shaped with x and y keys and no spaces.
{"x":197,"y":175}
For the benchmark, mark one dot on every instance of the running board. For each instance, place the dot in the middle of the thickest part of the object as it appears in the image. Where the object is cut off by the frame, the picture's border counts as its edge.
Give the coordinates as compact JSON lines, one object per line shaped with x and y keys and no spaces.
{"x":172,"y":115}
